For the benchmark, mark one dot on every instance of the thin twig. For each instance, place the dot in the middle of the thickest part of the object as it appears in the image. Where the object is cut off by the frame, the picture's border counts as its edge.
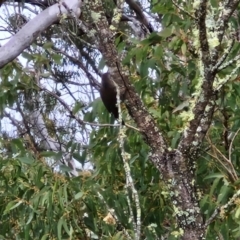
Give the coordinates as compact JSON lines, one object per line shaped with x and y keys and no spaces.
{"x":81,"y":122}
{"x":129,"y":179}
{"x":229,"y":168}
{"x":183,"y":10}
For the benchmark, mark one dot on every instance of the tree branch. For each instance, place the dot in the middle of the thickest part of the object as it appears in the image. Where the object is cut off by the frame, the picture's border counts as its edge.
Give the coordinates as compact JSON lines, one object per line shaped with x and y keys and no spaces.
{"x":42,"y":3}
{"x":31,"y":30}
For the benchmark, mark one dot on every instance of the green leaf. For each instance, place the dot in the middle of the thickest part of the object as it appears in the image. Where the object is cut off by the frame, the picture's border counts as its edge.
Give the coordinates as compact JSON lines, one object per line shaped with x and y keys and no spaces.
{"x":166,"y":32}
{"x":184,"y":49}
{"x":48,"y":154}
{"x":45,"y":236}
{"x":18,"y":143}
{"x":59,"y":228}
{"x":26,"y":159}
{"x":31,"y":215}
{"x":48,"y":45}
{"x":57,"y":58}
{"x":237,"y":213}
{"x":65,"y":226}
{"x":11,"y":205}
{"x":225,"y":192}
{"x":215,"y":175}
{"x":78,"y":195}
{"x":27,"y":56}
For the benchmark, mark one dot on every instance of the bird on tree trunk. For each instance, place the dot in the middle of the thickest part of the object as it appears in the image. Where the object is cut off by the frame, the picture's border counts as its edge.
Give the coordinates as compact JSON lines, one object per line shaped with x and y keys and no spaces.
{"x":108,"y":95}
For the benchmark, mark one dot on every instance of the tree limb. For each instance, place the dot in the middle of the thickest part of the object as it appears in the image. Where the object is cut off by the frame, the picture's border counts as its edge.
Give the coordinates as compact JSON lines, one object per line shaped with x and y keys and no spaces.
{"x":31,"y":30}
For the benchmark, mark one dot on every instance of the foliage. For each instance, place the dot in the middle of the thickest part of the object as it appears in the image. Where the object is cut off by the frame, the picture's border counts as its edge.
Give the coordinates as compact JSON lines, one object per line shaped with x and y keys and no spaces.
{"x":39,"y":200}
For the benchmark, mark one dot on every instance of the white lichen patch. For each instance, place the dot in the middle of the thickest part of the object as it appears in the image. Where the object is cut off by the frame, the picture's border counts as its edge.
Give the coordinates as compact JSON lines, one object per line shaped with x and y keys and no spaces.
{"x":210,"y":22}
{"x":208,"y":108}
{"x":213,"y":42}
{"x":176,"y":210}
{"x":95,"y":16}
{"x":186,"y":116}
{"x":194,"y":143}
{"x":196,"y":4}
{"x":199,"y":129}
{"x":178,"y":233}
{"x":195,"y":39}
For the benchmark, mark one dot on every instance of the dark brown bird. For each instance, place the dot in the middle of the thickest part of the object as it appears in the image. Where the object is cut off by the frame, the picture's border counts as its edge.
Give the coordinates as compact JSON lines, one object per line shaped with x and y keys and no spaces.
{"x":108,"y":94}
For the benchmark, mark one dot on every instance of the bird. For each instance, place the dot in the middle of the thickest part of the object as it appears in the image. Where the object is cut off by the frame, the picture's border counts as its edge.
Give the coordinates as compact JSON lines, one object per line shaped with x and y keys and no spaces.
{"x":108,"y":95}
